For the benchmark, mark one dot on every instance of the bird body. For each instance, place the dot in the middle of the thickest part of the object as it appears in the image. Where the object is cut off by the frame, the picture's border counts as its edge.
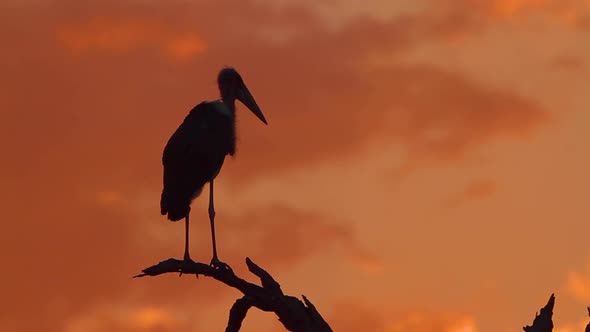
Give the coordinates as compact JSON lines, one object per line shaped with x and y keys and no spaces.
{"x":195,"y":152}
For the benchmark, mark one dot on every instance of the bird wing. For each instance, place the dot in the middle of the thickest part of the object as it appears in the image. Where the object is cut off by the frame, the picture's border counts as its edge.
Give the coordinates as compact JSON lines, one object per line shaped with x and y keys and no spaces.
{"x":199,"y":139}
{"x":193,"y":156}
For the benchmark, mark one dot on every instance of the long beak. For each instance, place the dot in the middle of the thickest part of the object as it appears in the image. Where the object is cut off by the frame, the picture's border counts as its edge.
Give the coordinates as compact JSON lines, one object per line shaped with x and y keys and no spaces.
{"x":246,"y":98}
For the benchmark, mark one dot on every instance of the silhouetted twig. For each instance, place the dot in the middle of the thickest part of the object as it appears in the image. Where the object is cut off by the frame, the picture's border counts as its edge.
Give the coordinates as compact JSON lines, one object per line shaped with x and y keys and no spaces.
{"x":588,"y":326}
{"x":295,"y":315}
{"x":543,"y":321}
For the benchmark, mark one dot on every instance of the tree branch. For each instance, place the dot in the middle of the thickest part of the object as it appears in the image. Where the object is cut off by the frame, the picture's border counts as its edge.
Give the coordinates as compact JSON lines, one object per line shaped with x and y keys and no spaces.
{"x":588,"y":326}
{"x":543,"y":321}
{"x":237,"y":314}
{"x":295,"y":315}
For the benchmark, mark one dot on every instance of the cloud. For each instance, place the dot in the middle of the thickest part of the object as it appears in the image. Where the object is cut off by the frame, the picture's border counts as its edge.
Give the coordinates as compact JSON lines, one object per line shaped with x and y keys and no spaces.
{"x":572,"y":327}
{"x":566,"y":11}
{"x":116,"y":35}
{"x":428,"y":321}
{"x":570,"y":13}
{"x":116,"y":318}
{"x":275,"y":236}
{"x":349,"y":316}
{"x":479,"y":189}
{"x":578,"y":285}
{"x":367,"y":262}
{"x":440,"y":117}
{"x":283,"y":235}
{"x":354,"y":316}
{"x":90,"y":245}
{"x":569,"y":62}
{"x":324,"y":102}
{"x":513,"y":7}
{"x":435,"y":115}
{"x":476,"y":190}
{"x":89,"y":104}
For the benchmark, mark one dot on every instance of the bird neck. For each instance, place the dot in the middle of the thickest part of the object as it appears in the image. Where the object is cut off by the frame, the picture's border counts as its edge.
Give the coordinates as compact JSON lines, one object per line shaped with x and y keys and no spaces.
{"x":230,"y":103}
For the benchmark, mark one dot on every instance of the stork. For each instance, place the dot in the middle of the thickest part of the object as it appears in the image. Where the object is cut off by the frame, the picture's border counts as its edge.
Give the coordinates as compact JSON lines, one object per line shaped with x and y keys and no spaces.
{"x":196,"y":151}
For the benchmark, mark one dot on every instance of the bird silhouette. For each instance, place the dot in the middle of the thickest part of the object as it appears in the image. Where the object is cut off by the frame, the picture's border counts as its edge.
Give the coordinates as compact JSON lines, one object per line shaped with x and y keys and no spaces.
{"x":195,"y":153}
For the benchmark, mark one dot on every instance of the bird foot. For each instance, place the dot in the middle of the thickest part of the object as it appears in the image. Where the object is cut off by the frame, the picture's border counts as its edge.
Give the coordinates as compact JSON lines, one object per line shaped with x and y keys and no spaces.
{"x":219,"y":265}
{"x":188,"y":259}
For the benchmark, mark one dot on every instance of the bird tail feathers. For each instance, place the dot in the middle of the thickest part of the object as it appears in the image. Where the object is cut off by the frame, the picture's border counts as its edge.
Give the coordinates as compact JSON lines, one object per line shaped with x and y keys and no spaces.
{"x":173,"y":208}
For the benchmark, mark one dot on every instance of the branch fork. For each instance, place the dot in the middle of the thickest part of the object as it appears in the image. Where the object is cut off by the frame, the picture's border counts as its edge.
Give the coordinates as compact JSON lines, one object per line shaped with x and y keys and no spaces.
{"x":294,"y":314}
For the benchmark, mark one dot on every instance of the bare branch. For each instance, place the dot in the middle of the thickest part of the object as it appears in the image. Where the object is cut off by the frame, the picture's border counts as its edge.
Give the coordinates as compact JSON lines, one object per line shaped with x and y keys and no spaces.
{"x":543,"y":321}
{"x":316,"y":315}
{"x":266,"y":279}
{"x":295,"y":315}
{"x":237,"y":314}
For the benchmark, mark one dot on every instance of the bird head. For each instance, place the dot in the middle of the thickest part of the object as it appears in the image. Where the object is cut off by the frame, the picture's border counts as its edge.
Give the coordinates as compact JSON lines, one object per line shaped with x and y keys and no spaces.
{"x":232,"y":87}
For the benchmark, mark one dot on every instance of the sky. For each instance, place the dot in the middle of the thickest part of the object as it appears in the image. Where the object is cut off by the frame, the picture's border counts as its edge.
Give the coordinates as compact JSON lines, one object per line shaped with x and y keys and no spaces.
{"x":424,"y":168}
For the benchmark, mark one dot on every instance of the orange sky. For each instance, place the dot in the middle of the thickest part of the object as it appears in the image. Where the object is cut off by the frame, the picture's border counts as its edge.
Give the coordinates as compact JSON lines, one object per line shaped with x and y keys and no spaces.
{"x":424,"y":168}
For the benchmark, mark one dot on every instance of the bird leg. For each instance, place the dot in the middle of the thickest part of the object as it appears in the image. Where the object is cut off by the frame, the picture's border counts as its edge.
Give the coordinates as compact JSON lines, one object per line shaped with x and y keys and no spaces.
{"x":187,"y":256}
{"x":215,"y":262}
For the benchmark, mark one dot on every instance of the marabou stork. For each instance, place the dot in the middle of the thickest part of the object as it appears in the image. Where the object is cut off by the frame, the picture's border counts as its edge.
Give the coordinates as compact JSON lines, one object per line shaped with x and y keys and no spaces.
{"x":195,"y":153}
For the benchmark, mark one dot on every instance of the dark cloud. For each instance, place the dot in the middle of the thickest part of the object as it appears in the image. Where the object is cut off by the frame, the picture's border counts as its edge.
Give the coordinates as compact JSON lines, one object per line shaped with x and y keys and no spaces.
{"x":569,"y":62}
{"x":76,"y":250}
{"x":440,"y":117}
{"x":105,"y":116}
{"x":281,"y":235}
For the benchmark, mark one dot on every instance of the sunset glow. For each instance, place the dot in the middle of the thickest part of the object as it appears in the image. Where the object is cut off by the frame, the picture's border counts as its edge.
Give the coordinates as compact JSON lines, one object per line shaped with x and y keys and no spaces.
{"x":425,"y":166}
